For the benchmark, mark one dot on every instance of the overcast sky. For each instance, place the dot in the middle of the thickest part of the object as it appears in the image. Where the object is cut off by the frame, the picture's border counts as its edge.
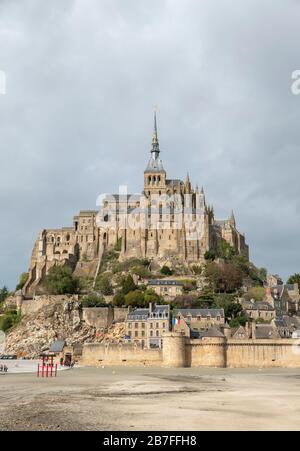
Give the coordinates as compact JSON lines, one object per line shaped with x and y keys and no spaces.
{"x":83,"y":77}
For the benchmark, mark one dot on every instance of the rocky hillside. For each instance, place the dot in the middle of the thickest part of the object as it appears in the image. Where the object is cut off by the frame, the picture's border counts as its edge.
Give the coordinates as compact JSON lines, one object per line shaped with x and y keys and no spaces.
{"x":36,"y":331}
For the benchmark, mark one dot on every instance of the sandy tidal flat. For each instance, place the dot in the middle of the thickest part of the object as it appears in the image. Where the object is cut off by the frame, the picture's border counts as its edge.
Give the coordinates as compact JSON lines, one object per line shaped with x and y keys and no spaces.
{"x":128,"y":398}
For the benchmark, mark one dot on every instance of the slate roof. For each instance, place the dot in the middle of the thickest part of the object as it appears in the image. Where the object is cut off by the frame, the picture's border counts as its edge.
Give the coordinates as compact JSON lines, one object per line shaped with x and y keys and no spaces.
{"x":140,"y":314}
{"x":164,"y":282}
{"x":194,"y":312}
{"x":248,"y":305}
{"x":213,"y":332}
{"x":287,"y":322}
{"x":57,"y":346}
{"x":264,"y":331}
{"x":154,"y":165}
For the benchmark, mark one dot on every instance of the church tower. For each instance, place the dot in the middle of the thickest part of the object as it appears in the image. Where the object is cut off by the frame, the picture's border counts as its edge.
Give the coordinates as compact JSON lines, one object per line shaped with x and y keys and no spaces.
{"x":154,"y":175}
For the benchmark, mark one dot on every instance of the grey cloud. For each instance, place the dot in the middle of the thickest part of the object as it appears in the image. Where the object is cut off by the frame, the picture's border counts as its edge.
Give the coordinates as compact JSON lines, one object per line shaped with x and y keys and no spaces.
{"x":82,"y":79}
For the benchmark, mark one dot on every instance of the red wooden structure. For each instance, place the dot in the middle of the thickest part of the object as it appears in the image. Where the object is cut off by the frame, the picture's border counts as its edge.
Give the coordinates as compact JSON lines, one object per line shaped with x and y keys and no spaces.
{"x":47,"y":368}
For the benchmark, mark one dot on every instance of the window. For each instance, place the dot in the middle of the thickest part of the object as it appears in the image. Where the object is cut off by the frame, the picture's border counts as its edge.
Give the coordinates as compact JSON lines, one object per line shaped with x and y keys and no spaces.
{"x":129,"y":325}
{"x":143,"y":333}
{"x":143,"y":325}
{"x":157,"y":325}
{"x":157,"y":333}
{"x":129,"y":333}
{"x":164,"y":325}
{"x":151,"y":333}
{"x":136,"y":325}
{"x":136,"y":334}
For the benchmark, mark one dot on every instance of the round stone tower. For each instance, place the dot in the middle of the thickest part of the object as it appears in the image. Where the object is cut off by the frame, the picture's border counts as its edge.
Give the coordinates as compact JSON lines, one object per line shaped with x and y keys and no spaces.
{"x":174,"y":353}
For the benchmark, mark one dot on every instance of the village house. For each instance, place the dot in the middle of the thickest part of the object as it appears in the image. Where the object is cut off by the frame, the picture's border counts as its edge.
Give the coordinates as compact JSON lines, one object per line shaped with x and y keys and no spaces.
{"x":258,"y":310}
{"x":191,"y":321}
{"x":146,"y":326}
{"x":166,"y":287}
{"x":286,"y":298}
{"x":286,"y":325}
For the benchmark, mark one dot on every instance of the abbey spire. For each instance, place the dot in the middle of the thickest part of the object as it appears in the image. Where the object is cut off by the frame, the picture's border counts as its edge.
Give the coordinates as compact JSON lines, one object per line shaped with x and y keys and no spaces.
{"x":155,"y":163}
{"x":155,"y":143}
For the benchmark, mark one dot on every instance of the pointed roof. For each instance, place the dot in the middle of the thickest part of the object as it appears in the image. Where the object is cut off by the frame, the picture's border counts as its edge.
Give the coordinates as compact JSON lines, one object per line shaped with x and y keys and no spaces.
{"x":155,"y":164}
{"x":232,"y":218}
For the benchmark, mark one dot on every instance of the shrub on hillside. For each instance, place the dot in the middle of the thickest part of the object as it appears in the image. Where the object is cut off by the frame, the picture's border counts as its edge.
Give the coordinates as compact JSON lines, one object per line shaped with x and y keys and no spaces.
{"x":10,"y":319}
{"x":60,"y":280}
{"x":104,"y":285}
{"x":166,"y":271}
{"x":135,"y":298}
{"x":128,"y":284}
{"x":93,"y":300}
{"x":119,"y":299}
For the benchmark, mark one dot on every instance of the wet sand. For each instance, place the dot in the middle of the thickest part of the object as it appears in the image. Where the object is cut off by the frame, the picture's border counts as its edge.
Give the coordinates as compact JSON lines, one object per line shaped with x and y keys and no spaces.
{"x":146,"y":398}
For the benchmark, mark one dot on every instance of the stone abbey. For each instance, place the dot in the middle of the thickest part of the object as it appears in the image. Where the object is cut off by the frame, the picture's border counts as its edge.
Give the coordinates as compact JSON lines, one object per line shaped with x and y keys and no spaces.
{"x":169,"y":221}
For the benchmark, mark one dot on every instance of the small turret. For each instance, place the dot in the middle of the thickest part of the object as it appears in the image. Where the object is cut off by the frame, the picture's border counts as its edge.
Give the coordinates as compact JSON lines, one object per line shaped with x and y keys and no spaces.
{"x":232,"y":219}
{"x":187,"y":185}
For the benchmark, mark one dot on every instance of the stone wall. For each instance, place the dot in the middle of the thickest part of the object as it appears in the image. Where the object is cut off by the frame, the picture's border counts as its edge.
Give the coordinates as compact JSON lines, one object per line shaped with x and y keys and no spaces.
{"x":99,"y":317}
{"x":119,"y":354}
{"x":179,"y":351}
{"x":206,"y":352}
{"x":284,"y":353}
{"x":33,"y":305}
{"x":120,"y":314}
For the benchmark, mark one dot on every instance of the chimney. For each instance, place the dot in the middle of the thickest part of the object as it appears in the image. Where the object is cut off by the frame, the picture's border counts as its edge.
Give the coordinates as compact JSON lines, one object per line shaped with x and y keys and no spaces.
{"x":150,"y":307}
{"x":247,"y":329}
{"x":253,"y":327}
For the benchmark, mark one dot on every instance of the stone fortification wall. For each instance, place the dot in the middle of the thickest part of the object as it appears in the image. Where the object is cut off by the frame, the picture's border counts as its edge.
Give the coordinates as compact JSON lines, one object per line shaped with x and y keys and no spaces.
{"x":119,"y":354}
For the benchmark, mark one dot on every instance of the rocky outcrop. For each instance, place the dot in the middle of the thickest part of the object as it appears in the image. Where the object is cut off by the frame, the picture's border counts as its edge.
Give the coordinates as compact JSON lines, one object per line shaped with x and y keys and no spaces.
{"x":58,"y":320}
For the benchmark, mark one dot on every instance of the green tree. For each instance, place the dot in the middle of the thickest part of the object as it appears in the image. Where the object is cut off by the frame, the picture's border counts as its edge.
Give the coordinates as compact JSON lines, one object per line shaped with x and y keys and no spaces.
{"x":10,"y":319}
{"x":3,"y":294}
{"x":104,"y":284}
{"x":59,"y":280}
{"x":151,"y":296}
{"x":225,"y":250}
{"x":233,"y":310}
{"x":93,"y":300}
{"x":22,"y":280}
{"x":135,"y":298}
{"x":210,"y":255}
{"x":238,"y":321}
{"x":166,"y":271}
{"x":119,"y":299}
{"x":128,"y":285}
{"x":141,"y":271}
{"x":295,"y":278}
